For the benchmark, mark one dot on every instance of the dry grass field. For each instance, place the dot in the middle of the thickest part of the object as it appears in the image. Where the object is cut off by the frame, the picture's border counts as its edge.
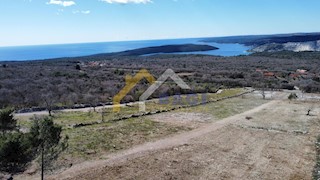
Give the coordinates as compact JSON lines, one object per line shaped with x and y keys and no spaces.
{"x":238,"y":138}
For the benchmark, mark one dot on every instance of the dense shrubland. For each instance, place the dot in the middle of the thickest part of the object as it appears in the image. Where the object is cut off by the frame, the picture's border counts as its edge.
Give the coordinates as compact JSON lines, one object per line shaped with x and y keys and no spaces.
{"x":94,"y":79}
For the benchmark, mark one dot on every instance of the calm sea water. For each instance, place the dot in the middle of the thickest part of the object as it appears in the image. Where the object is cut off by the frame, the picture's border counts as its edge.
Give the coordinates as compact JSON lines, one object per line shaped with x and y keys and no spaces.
{"x":21,"y":53}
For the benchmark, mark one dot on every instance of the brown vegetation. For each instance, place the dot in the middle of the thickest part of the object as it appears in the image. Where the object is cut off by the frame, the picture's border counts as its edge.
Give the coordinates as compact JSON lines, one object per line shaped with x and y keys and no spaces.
{"x":88,"y":81}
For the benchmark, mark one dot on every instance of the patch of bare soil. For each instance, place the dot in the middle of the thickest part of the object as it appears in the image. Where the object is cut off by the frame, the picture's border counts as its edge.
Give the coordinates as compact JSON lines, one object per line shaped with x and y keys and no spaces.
{"x":286,"y":116}
{"x":228,"y":153}
{"x":187,"y":119}
{"x":234,"y":148}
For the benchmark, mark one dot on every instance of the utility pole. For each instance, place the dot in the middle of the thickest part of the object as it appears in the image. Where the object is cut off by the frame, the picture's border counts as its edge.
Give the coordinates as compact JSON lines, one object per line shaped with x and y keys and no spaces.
{"x":42,"y":162}
{"x":102,"y":115}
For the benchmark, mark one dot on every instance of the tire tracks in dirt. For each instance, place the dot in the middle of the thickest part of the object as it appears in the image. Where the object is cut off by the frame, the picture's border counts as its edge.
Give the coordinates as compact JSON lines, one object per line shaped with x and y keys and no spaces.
{"x":145,"y":149}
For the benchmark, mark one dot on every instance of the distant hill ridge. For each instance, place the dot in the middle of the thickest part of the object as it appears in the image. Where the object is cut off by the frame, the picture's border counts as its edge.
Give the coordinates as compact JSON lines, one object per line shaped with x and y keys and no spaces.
{"x":256,"y":40}
{"x":272,"y":43}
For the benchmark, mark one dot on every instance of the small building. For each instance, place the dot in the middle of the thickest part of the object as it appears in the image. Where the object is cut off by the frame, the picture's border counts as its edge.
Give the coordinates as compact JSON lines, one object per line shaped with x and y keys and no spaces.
{"x":302,"y":71}
{"x":259,"y":70}
{"x":268,"y":74}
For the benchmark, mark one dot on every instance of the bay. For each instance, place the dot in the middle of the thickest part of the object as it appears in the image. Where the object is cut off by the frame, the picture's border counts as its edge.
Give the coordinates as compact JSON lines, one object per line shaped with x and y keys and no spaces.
{"x":40,"y":52}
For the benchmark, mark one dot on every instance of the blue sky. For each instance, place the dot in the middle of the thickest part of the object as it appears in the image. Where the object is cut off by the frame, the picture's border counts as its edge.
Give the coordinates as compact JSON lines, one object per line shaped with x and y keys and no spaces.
{"x":32,"y":22}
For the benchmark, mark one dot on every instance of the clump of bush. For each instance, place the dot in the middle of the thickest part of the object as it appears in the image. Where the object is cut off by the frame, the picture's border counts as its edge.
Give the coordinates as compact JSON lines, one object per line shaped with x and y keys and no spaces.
{"x":18,"y":149}
{"x":293,"y":96}
{"x":15,"y":152}
{"x":7,"y":122}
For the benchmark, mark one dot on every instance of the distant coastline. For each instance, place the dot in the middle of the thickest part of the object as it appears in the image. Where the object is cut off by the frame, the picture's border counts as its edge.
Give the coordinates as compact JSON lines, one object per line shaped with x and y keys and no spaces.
{"x":49,"y":52}
{"x":226,"y":46}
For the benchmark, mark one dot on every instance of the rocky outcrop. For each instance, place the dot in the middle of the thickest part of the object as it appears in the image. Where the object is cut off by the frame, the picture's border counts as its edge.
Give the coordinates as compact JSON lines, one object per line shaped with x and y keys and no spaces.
{"x":289,"y":46}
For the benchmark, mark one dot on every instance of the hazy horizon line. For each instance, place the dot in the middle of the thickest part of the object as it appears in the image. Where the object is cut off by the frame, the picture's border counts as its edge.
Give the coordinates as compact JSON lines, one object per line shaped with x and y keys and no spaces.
{"x":155,"y":39}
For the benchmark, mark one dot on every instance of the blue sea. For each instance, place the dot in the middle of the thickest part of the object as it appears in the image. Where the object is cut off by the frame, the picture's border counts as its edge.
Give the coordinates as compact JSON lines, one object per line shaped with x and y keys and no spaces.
{"x":39,"y":52}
